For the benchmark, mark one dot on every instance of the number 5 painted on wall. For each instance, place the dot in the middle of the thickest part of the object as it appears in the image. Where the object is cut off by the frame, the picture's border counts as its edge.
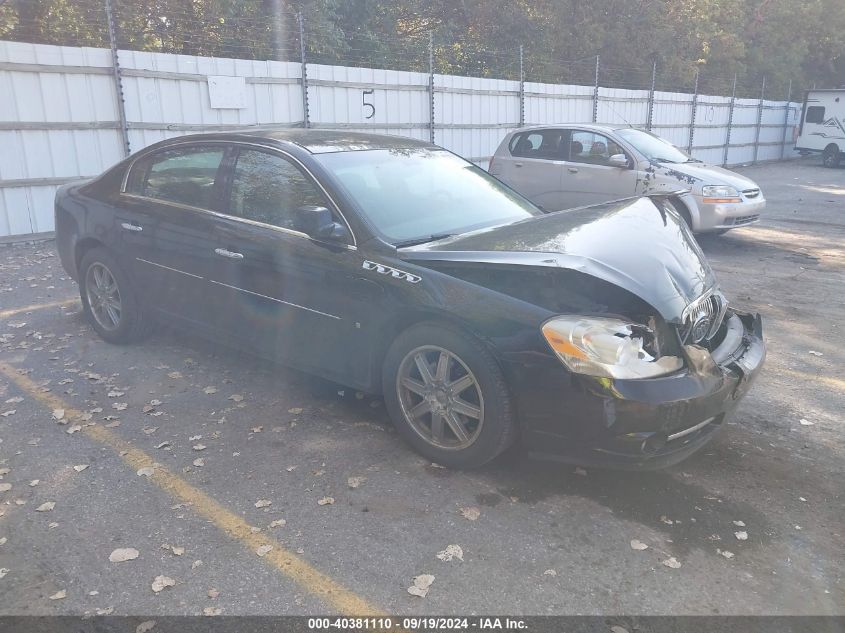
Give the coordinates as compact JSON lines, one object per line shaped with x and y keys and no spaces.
{"x":368,"y":105}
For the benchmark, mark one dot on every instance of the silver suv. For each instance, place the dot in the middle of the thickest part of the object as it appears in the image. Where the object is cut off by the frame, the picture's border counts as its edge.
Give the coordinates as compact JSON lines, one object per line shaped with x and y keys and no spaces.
{"x":564,"y":166}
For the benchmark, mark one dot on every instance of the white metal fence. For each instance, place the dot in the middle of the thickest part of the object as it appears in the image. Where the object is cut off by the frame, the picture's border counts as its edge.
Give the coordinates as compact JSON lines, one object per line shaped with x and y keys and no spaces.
{"x":61,"y":118}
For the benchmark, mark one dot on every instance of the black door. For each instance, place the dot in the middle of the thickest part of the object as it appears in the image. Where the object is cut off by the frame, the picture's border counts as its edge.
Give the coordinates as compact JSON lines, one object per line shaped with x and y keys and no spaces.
{"x":167,"y":223}
{"x":276,"y":289}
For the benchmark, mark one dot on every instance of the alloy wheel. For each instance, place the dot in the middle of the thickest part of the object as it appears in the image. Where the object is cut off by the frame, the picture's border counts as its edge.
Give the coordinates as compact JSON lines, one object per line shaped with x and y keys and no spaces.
{"x":440,"y":397}
{"x":103,"y":296}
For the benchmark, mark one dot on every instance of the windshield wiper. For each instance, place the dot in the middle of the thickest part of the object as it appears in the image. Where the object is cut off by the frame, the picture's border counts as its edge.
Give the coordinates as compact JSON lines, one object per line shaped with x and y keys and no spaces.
{"x":693,"y":160}
{"x":423,"y":240}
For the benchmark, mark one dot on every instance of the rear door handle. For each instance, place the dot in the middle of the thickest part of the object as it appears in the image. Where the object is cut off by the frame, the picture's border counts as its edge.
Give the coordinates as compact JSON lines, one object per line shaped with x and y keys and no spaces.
{"x":132,"y":227}
{"x":572,"y":170}
{"x":224,"y":253}
{"x":517,"y":164}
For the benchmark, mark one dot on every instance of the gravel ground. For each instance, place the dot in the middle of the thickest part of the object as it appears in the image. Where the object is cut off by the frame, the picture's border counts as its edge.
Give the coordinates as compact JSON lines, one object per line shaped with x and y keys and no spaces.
{"x":536,"y":538}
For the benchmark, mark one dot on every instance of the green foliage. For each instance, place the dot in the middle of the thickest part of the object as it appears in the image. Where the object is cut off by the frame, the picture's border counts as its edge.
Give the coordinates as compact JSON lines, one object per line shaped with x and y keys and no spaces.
{"x":802,"y":41}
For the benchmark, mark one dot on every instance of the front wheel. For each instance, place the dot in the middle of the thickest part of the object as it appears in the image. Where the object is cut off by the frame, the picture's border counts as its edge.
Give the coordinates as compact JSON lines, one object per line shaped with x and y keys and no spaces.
{"x":447,"y":396}
{"x":108,"y":299}
{"x":831,"y":156}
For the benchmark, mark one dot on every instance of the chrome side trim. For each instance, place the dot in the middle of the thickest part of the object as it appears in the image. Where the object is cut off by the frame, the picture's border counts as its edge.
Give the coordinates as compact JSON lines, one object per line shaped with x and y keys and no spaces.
{"x":257,"y":294}
{"x":181,"y":272}
{"x":691,"y":429}
{"x":293,"y":158}
{"x":272,"y":227}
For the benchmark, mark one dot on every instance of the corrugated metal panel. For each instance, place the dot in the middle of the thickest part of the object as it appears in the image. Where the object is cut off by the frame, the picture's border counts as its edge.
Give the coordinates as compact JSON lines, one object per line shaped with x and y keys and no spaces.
{"x":35,"y":98}
{"x":493,"y":111}
{"x":555,"y":103}
{"x":472,"y":114}
{"x":617,"y":105}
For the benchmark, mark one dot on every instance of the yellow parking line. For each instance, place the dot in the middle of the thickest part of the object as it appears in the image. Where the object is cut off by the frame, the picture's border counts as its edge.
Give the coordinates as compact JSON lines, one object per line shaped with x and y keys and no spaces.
{"x":310,"y":579}
{"x":835,"y":383}
{"x":5,"y":314}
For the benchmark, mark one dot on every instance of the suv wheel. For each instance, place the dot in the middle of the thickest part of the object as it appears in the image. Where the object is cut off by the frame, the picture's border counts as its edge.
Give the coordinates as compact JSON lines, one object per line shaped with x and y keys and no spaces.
{"x":448,"y":397}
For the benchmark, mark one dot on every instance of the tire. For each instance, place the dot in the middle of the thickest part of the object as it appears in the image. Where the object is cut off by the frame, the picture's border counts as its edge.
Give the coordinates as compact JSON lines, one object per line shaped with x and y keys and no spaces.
{"x":831,"y":156}
{"x":468,"y":388}
{"x":125,"y":322}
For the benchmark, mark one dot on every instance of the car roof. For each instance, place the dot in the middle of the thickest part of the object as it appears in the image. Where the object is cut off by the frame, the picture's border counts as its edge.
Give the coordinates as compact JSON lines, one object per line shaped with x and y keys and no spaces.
{"x":313,"y":141}
{"x":597,"y":127}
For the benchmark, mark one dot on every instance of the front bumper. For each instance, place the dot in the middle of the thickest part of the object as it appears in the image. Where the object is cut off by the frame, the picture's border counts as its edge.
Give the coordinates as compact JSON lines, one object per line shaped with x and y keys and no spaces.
{"x":729,"y":215}
{"x":654,"y":423}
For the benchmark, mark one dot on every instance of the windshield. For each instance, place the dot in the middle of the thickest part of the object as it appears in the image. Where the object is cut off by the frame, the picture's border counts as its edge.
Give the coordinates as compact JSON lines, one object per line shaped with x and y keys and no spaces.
{"x":653,"y":147}
{"x":417,"y":193}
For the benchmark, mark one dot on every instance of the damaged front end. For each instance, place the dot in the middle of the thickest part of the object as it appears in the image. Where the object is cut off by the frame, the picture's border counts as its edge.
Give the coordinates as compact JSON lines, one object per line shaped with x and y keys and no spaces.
{"x":655,"y":423}
{"x":639,"y":359}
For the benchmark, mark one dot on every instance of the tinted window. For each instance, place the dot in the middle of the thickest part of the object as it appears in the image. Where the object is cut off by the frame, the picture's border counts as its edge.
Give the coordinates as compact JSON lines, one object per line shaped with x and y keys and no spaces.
{"x":544,"y":144}
{"x":267,"y":188}
{"x":815,"y":114}
{"x":589,"y":147}
{"x":409,"y":194}
{"x":186,"y":176}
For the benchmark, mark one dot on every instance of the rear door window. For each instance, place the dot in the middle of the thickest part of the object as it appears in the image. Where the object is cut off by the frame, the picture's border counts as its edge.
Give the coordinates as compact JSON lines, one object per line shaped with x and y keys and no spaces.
{"x":184,"y":175}
{"x":542,"y":144}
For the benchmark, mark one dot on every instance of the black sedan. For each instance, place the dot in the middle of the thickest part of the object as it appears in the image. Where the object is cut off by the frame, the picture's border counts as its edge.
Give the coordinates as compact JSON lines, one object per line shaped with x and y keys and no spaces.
{"x":596,"y":335}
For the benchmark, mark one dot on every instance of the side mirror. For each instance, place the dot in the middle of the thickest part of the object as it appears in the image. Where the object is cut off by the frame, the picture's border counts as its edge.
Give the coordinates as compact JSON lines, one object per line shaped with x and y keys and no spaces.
{"x":318,"y":222}
{"x":618,"y":160}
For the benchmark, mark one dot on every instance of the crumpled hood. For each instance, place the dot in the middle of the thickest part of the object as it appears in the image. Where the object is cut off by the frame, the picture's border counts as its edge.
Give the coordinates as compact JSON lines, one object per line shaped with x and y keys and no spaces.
{"x":635,"y":244}
{"x":697,"y":175}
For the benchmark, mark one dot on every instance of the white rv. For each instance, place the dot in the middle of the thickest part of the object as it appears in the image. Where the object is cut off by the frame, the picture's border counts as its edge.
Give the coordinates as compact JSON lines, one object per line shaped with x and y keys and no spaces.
{"x":823,"y":126}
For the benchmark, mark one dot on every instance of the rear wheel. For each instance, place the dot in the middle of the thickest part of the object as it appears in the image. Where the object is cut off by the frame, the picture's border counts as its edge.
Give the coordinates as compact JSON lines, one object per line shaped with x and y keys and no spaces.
{"x":108,"y":299}
{"x":447,"y":396}
{"x":831,"y":156}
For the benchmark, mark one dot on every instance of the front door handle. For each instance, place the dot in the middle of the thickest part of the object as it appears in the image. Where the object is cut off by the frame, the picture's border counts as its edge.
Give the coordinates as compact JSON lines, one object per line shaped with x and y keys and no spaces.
{"x":224,"y":253}
{"x":572,"y":170}
{"x":517,"y":164}
{"x":132,"y":227}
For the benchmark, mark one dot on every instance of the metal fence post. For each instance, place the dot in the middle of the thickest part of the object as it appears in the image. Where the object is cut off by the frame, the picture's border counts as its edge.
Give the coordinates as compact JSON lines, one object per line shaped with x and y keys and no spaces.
{"x":730,"y":124}
{"x":786,"y":119}
{"x":118,"y":80}
{"x":759,"y":120}
{"x":694,"y":114}
{"x":521,"y":88}
{"x":596,"y":93}
{"x":306,"y":115}
{"x":431,"y":86}
{"x":650,"y":121}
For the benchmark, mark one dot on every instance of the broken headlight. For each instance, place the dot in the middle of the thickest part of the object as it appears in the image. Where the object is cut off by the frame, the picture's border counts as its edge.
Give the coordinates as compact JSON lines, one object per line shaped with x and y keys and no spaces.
{"x":607,"y":347}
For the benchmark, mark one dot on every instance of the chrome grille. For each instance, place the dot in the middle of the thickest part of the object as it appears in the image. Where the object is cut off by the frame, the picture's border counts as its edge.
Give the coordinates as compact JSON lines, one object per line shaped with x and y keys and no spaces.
{"x":702,"y":318}
{"x":751,"y":193}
